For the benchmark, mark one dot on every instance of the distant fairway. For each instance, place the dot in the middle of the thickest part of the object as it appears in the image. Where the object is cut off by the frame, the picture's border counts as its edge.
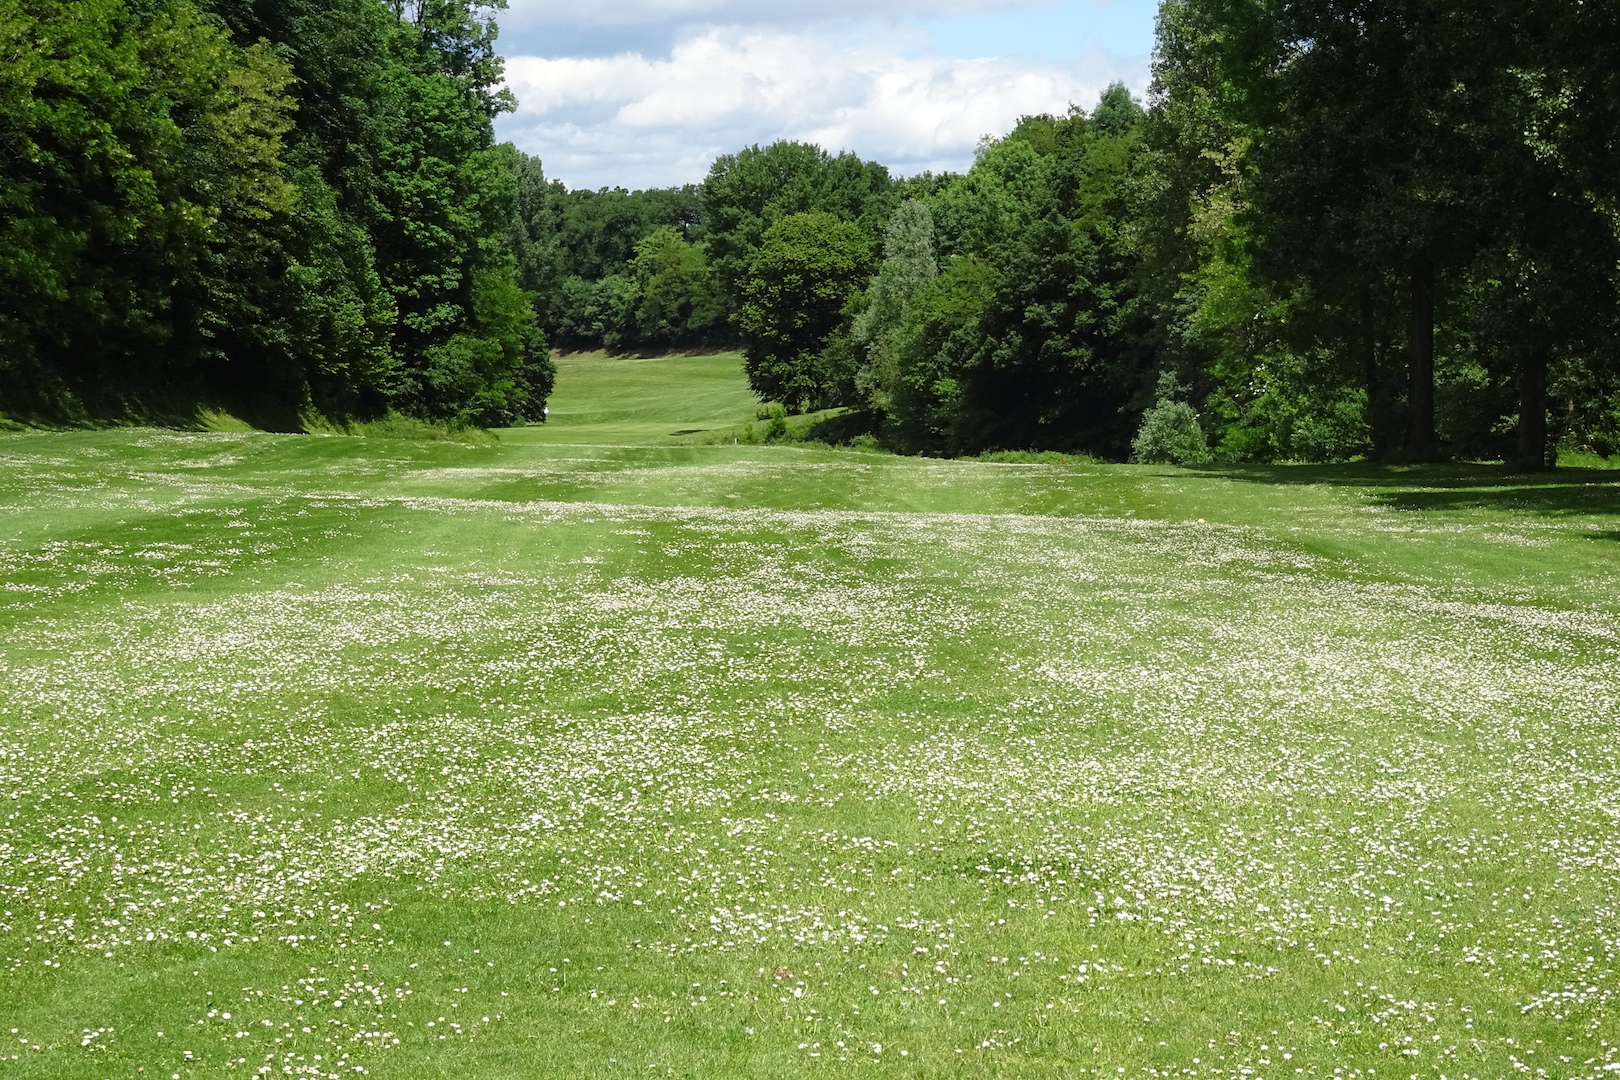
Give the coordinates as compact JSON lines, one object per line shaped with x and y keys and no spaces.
{"x":632,"y":400}
{"x":333,"y":756}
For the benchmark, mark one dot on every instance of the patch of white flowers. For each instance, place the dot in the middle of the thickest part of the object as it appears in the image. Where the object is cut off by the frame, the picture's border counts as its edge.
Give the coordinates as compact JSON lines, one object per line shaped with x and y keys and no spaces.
{"x":1122,"y":751}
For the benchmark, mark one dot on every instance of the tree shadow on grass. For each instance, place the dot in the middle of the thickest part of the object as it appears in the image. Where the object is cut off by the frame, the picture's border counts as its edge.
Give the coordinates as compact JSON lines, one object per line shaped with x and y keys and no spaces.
{"x":1451,"y":487}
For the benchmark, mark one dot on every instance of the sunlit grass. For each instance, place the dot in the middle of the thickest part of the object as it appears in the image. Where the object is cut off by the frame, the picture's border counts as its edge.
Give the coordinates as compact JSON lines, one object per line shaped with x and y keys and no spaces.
{"x":631,"y":399}
{"x":765,"y":761}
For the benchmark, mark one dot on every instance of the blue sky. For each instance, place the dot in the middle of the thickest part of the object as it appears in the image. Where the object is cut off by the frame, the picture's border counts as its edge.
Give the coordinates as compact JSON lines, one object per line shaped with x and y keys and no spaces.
{"x":647,"y":92}
{"x":1059,"y":31}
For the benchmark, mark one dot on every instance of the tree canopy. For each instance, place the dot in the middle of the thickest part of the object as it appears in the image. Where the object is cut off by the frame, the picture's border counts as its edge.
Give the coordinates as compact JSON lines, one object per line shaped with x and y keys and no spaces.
{"x":1334,"y":230}
{"x":276,"y":205}
{"x":798,"y":283}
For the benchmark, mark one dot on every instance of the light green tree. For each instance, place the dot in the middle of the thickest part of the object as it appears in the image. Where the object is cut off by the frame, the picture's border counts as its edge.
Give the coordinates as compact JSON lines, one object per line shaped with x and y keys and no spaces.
{"x":908,"y":265}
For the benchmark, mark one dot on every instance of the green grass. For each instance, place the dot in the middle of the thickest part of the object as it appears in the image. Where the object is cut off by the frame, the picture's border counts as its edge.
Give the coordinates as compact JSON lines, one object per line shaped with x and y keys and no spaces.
{"x":617,"y":757}
{"x":614,"y":399}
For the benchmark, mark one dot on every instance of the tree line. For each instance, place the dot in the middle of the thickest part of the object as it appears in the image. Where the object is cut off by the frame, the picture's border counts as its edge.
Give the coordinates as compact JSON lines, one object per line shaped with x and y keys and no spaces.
{"x":1334,"y":229}
{"x":276,"y":205}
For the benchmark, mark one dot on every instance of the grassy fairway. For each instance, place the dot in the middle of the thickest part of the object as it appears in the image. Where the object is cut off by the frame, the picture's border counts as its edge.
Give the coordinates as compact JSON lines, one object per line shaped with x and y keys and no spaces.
{"x":329,"y":757}
{"x":632,"y":400}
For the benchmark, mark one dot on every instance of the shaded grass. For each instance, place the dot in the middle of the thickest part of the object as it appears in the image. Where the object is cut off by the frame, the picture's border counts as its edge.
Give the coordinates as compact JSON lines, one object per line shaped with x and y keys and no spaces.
{"x":396,"y":426}
{"x":1567,"y":490}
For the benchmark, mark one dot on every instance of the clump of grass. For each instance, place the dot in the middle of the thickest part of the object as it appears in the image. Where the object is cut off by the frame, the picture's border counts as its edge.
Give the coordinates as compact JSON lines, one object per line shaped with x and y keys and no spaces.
{"x":398,"y":426}
{"x":313,"y":422}
{"x":1036,"y":457}
{"x":222,"y":421}
{"x":831,"y":429}
{"x":1585,"y":459}
{"x":776,"y":425}
{"x":773,"y":424}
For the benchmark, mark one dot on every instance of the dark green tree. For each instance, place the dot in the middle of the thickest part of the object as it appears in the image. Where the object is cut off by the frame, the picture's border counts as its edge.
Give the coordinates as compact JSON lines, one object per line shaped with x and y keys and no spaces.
{"x":534,"y":237}
{"x":748,"y":192}
{"x":277,"y":204}
{"x":676,"y":299}
{"x":1549,"y":294}
{"x":1039,"y":244}
{"x":468,"y":344}
{"x":808,"y":268}
{"x":142,"y":189}
{"x":909,"y":264}
{"x":1366,"y":158}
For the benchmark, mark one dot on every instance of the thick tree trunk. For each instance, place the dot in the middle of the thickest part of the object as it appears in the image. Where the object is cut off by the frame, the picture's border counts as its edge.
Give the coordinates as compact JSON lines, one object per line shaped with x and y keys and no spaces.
{"x":1530,"y":449}
{"x":1421,"y":439}
{"x":1370,"y":376}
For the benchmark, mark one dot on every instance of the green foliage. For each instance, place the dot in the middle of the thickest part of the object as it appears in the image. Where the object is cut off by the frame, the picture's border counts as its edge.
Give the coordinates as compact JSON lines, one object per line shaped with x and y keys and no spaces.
{"x":272,"y":203}
{"x":940,"y":324}
{"x":133,"y":144}
{"x":534,"y":239}
{"x":598,"y":232}
{"x":1348,"y":236}
{"x":909,"y":264}
{"x":1034,"y":457}
{"x":676,"y":299}
{"x":776,"y":427}
{"x":1170,"y":433}
{"x":1033,"y":337}
{"x":808,"y":268}
{"x":616,"y":268}
{"x":749,"y":192}
{"x":1367,"y":168}
{"x":590,"y":313}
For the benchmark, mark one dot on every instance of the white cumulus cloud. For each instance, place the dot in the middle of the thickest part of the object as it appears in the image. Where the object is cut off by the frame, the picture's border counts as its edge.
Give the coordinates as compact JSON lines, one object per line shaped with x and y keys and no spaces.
{"x":636,"y":121}
{"x":604,"y":27}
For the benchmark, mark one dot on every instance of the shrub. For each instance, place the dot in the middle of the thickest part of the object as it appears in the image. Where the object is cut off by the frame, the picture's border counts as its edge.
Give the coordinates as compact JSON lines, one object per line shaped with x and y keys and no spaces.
{"x":777,"y":429}
{"x":1170,"y":435}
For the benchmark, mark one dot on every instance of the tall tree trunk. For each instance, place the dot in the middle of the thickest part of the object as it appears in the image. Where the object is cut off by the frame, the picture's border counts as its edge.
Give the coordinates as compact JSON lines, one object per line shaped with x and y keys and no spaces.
{"x":1422,"y":441}
{"x":1530,"y":450}
{"x":1370,"y":376}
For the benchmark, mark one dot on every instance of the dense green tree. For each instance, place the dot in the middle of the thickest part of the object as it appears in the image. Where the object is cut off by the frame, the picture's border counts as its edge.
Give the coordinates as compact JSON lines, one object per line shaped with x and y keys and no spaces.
{"x":598,"y":231}
{"x":328,"y":321}
{"x":1040,"y":250}
{"x":1334,"y":222}
{"x":1366,"y":158}
{"x":1549,"y":292}
{"x":274,"y":203}
{"x":748,"y":192}
{"x":582,"y":253}
{"x":808,"y":268}
{"x":448,"y":197}
{"x":676,"y":299}
{"x":588,"y":314}
{"x":936,"y":336}
{"x":142,"y":175}
{"x":909,"y":264}
{"x":534,"y":238}
{"x":1418,"y":157}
